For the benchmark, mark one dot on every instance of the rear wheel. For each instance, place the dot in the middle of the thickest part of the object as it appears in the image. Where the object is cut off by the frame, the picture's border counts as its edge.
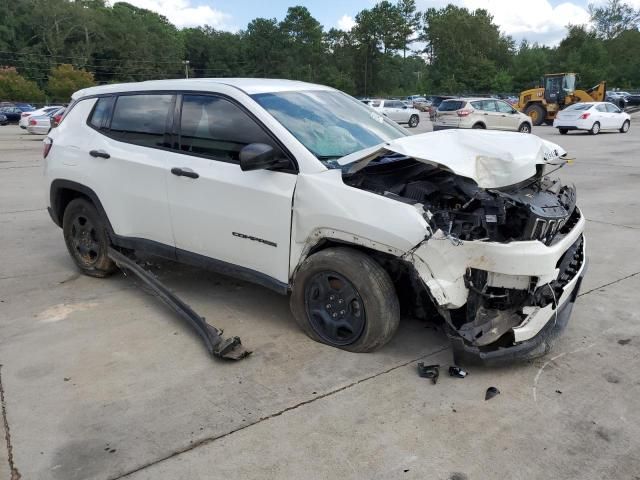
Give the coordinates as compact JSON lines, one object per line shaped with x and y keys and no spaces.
{"x":86,"y":237}
{"x":595,"y":129}
{"x":524,"y":128}
{"x":413,"y":121}
{"x":563,"y":131}
{"x":479,"y":126}
{"x":343,"y":298}
{"x":625,"y":126}
{"x":537,"y":114}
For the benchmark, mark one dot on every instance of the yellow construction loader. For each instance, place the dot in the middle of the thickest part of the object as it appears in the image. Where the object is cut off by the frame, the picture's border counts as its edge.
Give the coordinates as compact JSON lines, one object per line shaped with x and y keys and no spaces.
{"x":558,"y":91}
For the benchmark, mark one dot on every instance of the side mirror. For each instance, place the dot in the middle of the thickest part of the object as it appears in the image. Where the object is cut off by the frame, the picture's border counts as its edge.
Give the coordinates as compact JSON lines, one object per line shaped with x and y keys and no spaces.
{"x":258,"y":156}
{"x":404,"y":107}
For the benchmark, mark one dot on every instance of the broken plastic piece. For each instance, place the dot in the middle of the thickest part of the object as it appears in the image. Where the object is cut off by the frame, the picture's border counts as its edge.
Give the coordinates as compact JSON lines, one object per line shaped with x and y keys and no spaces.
{"x":429,"y":371}
{"x":458,"y":372}
{"x":491,"y":392}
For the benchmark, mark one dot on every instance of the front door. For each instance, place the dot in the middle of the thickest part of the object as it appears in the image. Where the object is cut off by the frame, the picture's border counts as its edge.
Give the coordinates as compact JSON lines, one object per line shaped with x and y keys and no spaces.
{"x":242,"y":219}
{"x":509,"y":118}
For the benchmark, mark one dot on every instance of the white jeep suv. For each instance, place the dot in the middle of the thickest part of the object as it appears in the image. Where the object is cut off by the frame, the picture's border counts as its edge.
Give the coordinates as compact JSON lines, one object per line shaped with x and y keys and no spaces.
{"x":305,"y":190}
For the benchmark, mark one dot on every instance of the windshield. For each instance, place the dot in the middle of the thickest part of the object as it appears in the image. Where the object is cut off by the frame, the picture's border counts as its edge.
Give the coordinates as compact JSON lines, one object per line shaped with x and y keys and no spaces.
{"x":329,"y":123}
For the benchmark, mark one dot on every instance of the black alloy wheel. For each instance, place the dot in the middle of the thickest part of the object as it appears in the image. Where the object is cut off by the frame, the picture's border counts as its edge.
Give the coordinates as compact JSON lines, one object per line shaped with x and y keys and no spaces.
{"x":334,"y":308}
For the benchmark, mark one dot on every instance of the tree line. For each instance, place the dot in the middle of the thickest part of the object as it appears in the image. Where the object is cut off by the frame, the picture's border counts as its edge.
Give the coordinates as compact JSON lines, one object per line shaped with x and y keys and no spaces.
{"x":50,"y":48}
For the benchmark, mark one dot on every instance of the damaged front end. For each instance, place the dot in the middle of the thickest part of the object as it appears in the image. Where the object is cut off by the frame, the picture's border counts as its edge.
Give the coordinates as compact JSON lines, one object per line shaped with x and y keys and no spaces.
{"x":502,"y":264}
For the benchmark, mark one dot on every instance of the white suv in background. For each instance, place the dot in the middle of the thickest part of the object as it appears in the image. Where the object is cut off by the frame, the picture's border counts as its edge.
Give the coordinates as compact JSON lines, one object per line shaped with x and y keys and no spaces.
{"x":397,"y":111}
{"x":305,"y":190}
{"x":480,"y":113}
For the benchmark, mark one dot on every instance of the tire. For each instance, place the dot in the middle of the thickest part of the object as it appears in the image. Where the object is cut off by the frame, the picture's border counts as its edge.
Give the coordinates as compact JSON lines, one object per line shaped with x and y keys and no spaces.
{"x":537,"y":114}
{"x":524,"y":127}
{"x":563,"y":131}
{"x":414,"y":120}
{"x":479,"y":126}
{"x":625,"y":126}
{"x":548,"y":122}
{"x":595,"y":129}
{"x":86,"y":237}
{"x":334,"y":278}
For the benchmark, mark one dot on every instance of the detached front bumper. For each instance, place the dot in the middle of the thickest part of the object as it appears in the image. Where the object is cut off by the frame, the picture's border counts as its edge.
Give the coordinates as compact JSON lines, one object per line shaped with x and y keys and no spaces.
{"x":541,"y":283}
{"x":536,"y":346}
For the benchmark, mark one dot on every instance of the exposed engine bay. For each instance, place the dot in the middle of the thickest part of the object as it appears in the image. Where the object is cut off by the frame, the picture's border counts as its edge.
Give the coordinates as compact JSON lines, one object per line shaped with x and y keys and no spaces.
{"x":538,"y":208}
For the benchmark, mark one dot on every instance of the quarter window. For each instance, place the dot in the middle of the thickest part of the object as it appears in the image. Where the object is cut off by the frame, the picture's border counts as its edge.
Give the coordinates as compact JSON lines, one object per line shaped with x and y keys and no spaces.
{"x":142,"y":119}
{"x":216,"y":128}
{"x":101,"y":113}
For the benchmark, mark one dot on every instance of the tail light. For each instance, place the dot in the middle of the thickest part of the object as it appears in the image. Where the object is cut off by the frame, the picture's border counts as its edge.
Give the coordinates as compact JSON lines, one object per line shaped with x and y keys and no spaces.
{"x":584,"y":116}
{"x":46,"y":144}
{"x":463,"y":112}
{"x":57,"y":119}
{"x":32,"y":122}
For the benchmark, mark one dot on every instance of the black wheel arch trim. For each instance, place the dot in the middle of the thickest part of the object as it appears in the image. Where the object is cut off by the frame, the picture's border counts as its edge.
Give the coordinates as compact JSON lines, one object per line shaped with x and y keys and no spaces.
{"x":156,"y":248}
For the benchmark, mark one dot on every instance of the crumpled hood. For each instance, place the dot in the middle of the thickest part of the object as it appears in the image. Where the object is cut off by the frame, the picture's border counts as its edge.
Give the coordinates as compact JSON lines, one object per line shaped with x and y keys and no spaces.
{"x":491,"y":158}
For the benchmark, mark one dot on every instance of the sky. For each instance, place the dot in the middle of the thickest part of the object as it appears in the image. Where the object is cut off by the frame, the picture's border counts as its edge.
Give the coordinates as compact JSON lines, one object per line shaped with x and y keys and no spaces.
{"x":541,"y":21}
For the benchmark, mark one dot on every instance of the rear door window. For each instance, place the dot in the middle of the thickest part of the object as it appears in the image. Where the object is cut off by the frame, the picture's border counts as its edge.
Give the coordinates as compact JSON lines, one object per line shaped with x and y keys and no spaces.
{"x":611,"y":108}
{"x":217,"y":128}
{"x":601,"y":108}
{"x":142,"y":119}
{"x":489,"y":106}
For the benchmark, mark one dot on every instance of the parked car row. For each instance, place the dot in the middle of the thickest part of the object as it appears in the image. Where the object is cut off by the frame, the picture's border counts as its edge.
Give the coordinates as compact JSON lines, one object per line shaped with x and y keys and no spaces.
{"x":38,"y":122}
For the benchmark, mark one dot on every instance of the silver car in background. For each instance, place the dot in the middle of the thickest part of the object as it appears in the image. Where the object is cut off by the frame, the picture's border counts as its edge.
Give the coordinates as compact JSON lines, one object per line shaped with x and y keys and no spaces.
{"x":24,"y":118}
{"x":480,"y":113}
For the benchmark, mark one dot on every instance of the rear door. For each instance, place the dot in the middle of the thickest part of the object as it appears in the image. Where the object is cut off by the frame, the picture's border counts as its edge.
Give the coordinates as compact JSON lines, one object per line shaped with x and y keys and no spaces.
{"x":603,"y":116}
{"x":240,"y":219}
{"x":490,"y":114}
{"x":122,"y":143}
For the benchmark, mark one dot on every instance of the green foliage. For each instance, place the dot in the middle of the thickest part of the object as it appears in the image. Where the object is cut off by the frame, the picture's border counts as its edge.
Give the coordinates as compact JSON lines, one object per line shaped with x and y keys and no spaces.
{"x":65,"y":79}
{"x":52,"y":42}
{"x":613,"y":18}
{"x":14,"y":87}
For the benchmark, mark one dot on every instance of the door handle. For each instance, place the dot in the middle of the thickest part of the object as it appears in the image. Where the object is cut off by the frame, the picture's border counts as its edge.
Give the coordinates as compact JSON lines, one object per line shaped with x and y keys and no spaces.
{"x":184,"y":172}
{"x":99,"y":153}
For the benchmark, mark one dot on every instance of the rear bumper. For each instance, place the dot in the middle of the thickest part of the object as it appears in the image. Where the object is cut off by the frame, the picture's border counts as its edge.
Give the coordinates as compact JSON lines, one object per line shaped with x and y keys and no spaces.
{"x":534,"y":347}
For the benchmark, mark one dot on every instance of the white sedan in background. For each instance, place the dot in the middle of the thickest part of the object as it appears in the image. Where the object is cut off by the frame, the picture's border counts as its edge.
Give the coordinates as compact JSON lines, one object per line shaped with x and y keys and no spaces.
{"x":397,"y":111}
{"x":592,"y":117}
{"x":40,"y":124}
{"x":24,"y":118}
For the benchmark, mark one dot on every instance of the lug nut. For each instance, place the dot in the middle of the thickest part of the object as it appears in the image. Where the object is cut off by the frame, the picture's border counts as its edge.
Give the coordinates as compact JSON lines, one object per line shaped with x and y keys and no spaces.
{"x":334,"y":315}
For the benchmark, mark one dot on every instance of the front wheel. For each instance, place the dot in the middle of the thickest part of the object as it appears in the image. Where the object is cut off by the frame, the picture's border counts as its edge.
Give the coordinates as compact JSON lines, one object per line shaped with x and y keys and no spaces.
{"x":86,"y":237}
{"x":413,"y":121}
{"x":343,"y":298}
{"x":625,"y":126}
{"x":524,"y":128}
{"x":595,"y":129}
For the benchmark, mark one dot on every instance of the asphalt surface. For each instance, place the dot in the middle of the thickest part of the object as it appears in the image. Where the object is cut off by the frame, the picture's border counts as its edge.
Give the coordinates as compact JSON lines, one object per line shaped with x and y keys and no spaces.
{"x":101,"y":381}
